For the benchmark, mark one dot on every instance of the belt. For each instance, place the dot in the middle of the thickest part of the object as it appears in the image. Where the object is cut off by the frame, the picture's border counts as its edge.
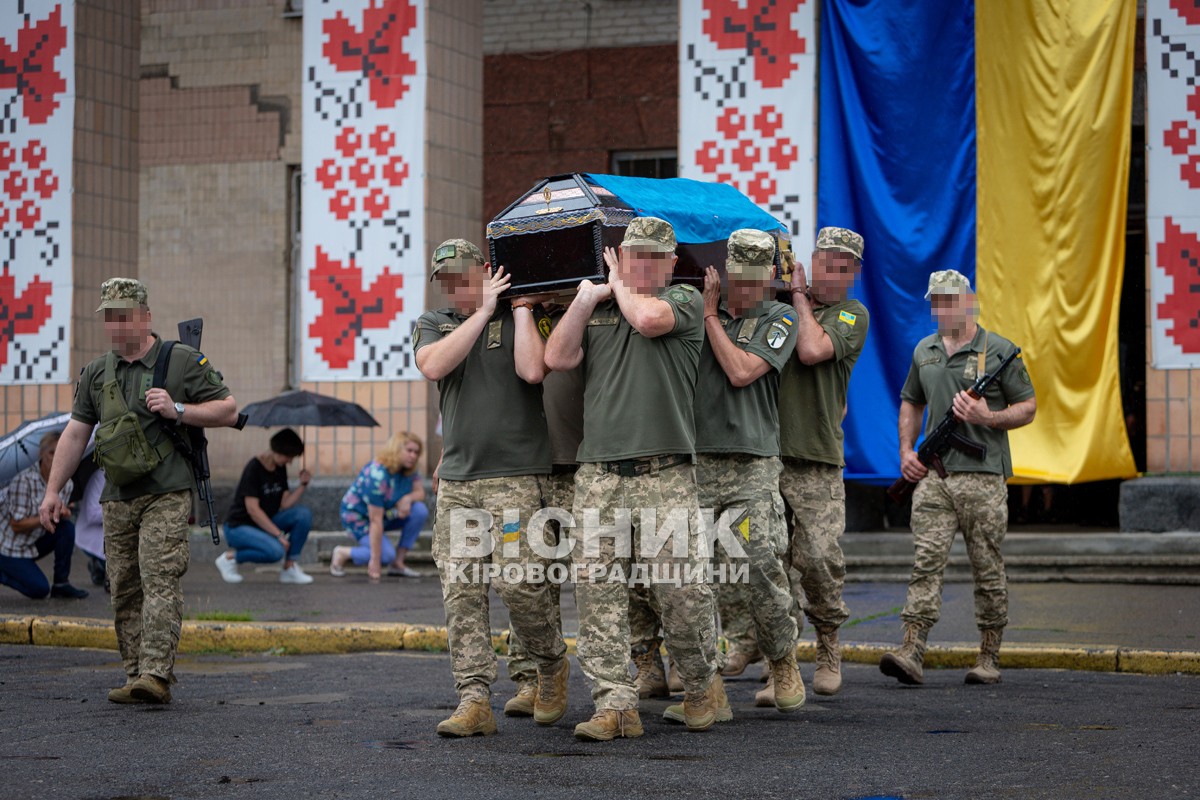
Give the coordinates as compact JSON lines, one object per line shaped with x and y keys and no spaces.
{"x":563,"y":469}
{"x":631,"y":467}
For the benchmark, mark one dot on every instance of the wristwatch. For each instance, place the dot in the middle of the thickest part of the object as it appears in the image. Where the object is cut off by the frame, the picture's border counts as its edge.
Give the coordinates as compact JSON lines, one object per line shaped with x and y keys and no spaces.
{"x":522,"y":304}
{"x":179,"y":412}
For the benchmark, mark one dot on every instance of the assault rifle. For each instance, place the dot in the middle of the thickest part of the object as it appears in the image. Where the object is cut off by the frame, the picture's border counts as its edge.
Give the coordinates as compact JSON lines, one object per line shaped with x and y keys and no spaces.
{"x":190,"y":440}
{"x":946,"y":435}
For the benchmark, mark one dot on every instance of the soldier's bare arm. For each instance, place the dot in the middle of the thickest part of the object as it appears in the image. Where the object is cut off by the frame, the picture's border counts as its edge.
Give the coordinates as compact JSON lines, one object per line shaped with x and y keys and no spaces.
{"x":437,"y":360}
{"x":564,"y":349}
{"x":910,"y":427}
{"x":648,"y":315}
{"x":209,"y":414}
{"x":529,"y":348}
{"x":70,"y":449}
{"x":974,"y":410}
{"x":813,"y":344}
{"x":742,"y":368}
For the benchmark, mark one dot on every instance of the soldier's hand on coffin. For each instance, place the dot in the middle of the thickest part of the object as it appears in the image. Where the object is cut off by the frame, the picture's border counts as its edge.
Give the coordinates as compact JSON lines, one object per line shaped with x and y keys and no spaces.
{"x":613,"y":261}
{"x":799,"y":278}
{"x":535,"y":299}
{"x":593,"y":293}
{"x":712,"y":290}
{"x":496,"y":284}
{"x":972,"y":410}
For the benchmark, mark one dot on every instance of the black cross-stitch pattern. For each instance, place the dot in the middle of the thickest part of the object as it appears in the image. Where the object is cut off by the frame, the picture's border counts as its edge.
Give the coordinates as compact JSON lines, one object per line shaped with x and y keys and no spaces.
{"x":730,"y":86}
{"x":36,"y":365}
{"x":1177,"y":51}
{"x":386,"y":360}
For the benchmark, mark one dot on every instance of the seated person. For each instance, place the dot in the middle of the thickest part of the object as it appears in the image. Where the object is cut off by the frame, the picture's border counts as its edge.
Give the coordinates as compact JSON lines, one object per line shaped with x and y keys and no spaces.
{"x":385,"y":496}
{"x":265,"y":522}
{"x":89,"y":528}
{"x":23,"y":540}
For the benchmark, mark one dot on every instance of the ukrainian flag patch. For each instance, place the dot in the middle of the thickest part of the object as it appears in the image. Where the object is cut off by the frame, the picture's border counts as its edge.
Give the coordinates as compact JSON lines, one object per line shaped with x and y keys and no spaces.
{"x":787,"y":319}
{"x":847,"y":317}
{"x":511,"y":531}
{"x":201,"y":359}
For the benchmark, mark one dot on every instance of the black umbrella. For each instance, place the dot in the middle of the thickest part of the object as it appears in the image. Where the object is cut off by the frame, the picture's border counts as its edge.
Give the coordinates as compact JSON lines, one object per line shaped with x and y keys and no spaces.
{"x":299,"y":407}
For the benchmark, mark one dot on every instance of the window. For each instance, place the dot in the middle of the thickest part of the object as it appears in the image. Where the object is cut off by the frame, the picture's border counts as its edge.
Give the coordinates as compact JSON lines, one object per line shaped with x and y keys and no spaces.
{"x":646,"y":163}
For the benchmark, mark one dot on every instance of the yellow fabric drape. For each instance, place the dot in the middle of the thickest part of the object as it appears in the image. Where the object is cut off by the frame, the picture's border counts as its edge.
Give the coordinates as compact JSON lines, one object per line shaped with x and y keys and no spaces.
{"x":1054,"y":88}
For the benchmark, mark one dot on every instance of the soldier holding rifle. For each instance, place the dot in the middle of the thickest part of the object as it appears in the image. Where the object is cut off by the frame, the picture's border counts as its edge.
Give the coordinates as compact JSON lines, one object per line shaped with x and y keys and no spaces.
{"x":972,"y":494}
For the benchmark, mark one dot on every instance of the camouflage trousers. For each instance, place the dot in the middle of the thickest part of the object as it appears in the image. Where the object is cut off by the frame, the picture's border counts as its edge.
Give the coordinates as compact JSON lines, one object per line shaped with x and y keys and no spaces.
{"x":558,"y":491}
{"x":603,"y":556}
{"x":977,"y":504}
{"x":146,"y":552}
{"x":817,"y":496}
{"x":509,"y":504}
{"x":752,"y":483}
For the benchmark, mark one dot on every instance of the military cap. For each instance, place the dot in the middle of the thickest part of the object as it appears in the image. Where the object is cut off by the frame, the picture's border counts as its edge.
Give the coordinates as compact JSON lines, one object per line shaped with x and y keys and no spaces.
{"x":751,"y":254}
{"x":122,"y":293}
{"x":842,"y":239}
{"x":947,"y":281}
{"x":650,"y":233}
{"x":455,"y":256}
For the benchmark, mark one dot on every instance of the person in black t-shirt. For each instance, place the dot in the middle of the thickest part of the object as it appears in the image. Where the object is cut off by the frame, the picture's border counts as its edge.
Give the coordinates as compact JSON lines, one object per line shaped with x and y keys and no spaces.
{"x":266,"y":522}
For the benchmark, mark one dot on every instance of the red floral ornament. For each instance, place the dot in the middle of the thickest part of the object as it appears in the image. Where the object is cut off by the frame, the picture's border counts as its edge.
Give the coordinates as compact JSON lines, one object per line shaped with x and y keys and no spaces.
{"x":355,"y":176}
{"x":1179,"y":257}
{"x":1190,"y":171}
{"x":347,"y":308}
{"x":1179,"y":137}
{"x":23,"y":313}
{"x":1188,"y":9}
{"x":731,"y":123}
{"x":763,"y":30}
{"x":374,"y":49}
{"x":29,"y":67}
{"x":768,"y":121}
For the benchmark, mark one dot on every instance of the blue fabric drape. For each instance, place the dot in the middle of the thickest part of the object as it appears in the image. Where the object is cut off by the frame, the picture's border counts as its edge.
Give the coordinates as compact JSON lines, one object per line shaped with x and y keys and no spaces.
{"x":698,"y":211}
{"x":897,"y":164}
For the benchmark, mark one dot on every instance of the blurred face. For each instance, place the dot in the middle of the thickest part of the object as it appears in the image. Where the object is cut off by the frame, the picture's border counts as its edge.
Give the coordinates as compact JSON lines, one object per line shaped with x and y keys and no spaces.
{"x":464,"y":285}
{"x":746,"y":293}
{"x":952,"y":312}
{"x":46,"y":457}
{"x":127,"y":327}
{"x":410,"y":455}
{"x":646,"y":271}
{"x":833,"y":274}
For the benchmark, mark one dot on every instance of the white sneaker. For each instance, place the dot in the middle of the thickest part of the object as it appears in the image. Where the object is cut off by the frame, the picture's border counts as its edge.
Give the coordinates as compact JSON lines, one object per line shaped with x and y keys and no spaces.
{"x":294,"y":574}
{"x":228,"y":569}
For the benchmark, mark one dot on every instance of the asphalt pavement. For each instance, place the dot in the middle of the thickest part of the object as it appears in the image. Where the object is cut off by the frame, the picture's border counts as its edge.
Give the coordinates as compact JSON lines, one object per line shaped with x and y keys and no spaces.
{"x":362,"y":726}
{"x":1134,"y":615}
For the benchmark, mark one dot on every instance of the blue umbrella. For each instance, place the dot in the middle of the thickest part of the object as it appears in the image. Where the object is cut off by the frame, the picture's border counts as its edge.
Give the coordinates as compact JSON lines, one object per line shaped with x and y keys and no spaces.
{"x":19,"y":448}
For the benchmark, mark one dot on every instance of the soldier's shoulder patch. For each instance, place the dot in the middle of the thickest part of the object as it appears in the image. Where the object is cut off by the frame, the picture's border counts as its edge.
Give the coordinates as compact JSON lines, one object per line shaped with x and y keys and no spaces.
{"x":201,"y":359}
{"x":1024,"y":375}
{"x":544,"y":327}
{"x":679,"y":294}
{"x":214,"y":377}
{"x":776,"y":335}
{"x":843,"y":328}
{"x":847,"y":317}
{"x":416,"y":337}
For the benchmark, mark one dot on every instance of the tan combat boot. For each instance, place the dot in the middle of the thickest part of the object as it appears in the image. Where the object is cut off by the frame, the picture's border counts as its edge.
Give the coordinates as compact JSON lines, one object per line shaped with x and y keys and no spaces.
{"x":987,"y":665}
{"x":674,"y":682}
{"x":737,"y":662}
{"x":521,"y":705}
{"x":651,"y":680}
{"x":473,"y":716}
{"x":766,"y":697}
{"x":828,"y":677}
{"x":701,"y":709}
{"x":905,"y":663}
{"x":786,"y":684}
{"x":150,"y":689}
{"x":608,"y":724}
{"x":551,"y":701}
{"x":123,"y":695}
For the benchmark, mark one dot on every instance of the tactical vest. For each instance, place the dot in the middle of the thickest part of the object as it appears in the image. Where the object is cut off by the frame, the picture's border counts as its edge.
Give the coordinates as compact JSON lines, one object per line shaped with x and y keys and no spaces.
{"x":122,"y":448}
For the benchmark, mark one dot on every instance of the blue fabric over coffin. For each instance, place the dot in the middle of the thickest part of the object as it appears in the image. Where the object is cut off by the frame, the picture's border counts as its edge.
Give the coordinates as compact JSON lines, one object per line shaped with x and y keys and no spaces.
{"x":698,"y":211}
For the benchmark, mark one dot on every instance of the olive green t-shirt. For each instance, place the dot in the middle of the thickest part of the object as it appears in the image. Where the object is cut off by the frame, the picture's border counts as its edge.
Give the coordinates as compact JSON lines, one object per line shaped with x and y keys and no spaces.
{"x":639,"y":392}
{"x":934,"y":379}
{"x":191,"y":378}
{"x":811,"y":399}
{"x":731,"y":419}
{"x":562,"y":398}
{"x":492,"y":420}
